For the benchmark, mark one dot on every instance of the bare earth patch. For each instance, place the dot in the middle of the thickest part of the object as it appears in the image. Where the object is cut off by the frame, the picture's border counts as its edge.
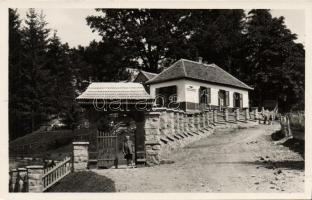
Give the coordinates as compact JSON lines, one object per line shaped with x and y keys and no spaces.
{"x":243,"y":160}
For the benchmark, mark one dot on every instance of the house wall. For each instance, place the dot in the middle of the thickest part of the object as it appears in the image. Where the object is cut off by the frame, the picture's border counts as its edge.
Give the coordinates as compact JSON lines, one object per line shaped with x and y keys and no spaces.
{"x":180,"y":88}
{"x":188,"y":91}
{"x":192,"y":95}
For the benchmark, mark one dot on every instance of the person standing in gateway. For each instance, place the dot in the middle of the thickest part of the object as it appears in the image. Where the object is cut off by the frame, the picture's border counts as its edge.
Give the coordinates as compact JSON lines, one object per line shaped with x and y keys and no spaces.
{"x":128,"y":150}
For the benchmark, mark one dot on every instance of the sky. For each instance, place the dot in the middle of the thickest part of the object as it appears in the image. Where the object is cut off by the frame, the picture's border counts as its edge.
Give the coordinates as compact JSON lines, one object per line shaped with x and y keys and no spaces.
{"x":72,"y":27}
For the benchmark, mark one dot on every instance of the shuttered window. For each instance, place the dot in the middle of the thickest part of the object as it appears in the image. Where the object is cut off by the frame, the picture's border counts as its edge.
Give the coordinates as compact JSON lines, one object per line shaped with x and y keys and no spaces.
{"x":224,"y":98}
{"x":166,"y":95}
{"x":204,"y":95}
{"x":237,"y":100}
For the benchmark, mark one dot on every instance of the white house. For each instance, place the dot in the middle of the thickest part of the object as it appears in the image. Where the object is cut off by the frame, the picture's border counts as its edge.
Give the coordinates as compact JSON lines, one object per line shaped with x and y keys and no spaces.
{"x":196,"y":85}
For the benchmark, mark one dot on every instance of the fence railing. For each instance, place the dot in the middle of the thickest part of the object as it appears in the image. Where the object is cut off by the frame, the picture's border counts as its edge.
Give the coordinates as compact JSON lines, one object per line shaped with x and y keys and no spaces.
{"x":52,"y":175}
{"x":18,"y":180}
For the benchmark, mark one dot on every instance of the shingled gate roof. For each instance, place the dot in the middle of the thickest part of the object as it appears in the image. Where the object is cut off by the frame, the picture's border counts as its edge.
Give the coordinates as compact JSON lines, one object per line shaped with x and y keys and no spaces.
{"x":198,"y":71}
{"x":115,"y":91}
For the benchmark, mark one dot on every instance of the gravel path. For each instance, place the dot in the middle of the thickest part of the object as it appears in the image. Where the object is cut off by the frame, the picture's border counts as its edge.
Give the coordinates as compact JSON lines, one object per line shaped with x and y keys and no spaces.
{"x":243,"y":160}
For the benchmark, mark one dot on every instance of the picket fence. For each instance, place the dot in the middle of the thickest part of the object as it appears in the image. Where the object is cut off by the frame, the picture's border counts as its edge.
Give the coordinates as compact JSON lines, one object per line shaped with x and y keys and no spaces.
{"x":18,"y":181}
{"x":52,"y":175}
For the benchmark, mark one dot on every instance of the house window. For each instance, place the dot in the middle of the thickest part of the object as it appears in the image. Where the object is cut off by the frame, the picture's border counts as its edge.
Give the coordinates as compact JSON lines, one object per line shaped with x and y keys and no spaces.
{"x":237,"y":100}
{"x":223,"y":98}
{"x":166,"y":95}
{"x":204,"y":95}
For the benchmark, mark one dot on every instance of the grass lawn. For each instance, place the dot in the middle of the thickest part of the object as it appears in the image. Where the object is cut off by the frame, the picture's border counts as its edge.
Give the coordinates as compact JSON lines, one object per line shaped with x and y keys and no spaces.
{"x":84,"y":182}
{"x":49,"y":144}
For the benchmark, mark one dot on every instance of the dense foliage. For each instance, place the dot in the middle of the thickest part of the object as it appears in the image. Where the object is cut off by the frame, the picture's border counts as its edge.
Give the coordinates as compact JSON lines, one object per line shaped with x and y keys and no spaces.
{"x":40,"y":77}
{"x":45,"y":75}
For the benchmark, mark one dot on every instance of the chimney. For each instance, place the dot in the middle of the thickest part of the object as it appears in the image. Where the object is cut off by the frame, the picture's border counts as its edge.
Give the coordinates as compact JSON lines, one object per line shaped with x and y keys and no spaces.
{"x":200,"y":60}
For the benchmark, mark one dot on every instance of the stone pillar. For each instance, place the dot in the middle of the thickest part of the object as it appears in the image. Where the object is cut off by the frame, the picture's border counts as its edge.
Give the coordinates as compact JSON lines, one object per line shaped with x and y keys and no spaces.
{"x":152,"y":138}
{"x":215,"y":115}
{"x":186,"y":122}
{"x":170,"y":122}
{"x":35,"y":173}
{"x":191,"y":122}
{"x":181,"y":122}
{"x":176,"y":121}
{"x":237,"y":114}
{"x":246,"y":113}
{"x":196,"y":122}
{"x":207,"y":117}
{"x":81,"y":156}
{"x":202,"y":120}
{"x":226,"y":114}
{"x":163,"y":121}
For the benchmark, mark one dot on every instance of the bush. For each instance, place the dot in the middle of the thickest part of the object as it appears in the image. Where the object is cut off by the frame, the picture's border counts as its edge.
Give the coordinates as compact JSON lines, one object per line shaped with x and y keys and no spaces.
{"x":296,"y":120}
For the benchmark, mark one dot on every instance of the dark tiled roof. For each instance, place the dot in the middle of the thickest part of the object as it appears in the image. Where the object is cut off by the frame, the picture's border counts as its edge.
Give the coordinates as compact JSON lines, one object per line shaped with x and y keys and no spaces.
{"x":148,"y":75}
{"x":198,"y":71}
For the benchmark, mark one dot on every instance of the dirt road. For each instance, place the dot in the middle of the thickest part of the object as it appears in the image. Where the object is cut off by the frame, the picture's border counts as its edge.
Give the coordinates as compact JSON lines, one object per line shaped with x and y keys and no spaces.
{"x":244,"y":160}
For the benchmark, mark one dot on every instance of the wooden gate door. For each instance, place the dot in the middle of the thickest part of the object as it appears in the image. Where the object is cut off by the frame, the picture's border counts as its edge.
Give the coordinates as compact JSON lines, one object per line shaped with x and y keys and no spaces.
{"x":107,"y":148}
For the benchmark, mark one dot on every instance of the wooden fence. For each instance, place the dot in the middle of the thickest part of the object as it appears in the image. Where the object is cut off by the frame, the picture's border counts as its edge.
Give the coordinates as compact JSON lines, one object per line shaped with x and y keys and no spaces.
{"x":52,"y":175}
{"x":19,"y":178}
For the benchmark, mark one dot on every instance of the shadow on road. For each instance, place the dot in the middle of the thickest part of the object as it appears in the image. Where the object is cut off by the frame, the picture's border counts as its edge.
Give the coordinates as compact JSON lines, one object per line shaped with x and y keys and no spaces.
{"x":293,"y":144}
{"x":287,"y":164}
{"x":84,"y":182}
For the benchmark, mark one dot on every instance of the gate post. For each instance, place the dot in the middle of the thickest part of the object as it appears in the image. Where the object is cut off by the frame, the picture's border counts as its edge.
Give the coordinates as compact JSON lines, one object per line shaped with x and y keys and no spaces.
{"x":35,"y":173}
{"x":81,"y":156}
{"x":152,"y":138}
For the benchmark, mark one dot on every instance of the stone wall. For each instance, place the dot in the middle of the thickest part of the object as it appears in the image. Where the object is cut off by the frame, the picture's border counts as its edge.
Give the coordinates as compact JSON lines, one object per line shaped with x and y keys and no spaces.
{"x":167,"y":130}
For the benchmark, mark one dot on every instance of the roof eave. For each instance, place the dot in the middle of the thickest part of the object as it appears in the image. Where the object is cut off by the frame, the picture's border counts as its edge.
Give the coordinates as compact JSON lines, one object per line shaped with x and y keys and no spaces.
{"x":194,"y":79}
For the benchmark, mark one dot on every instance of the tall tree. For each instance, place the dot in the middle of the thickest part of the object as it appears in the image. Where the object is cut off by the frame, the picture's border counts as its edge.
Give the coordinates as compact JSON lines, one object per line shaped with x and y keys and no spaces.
{"x":146,"y":34}
{"x":16,"y":122}
{"x":274,"y":71}
{"x":217,"y":36}
{"x":108,"y":60}
{"x":31,"y":87}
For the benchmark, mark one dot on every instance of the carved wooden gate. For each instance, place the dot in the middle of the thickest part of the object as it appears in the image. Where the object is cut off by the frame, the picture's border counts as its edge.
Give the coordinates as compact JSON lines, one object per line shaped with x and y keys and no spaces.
{"x":107,"y":148}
